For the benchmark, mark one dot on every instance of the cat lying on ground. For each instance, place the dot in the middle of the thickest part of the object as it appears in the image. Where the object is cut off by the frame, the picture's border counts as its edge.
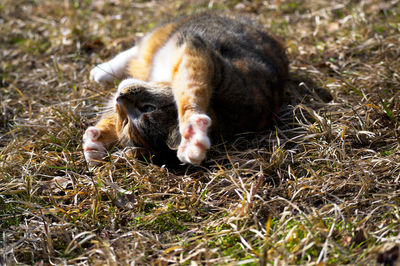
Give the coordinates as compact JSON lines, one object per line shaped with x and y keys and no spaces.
{"x":190,"y":80}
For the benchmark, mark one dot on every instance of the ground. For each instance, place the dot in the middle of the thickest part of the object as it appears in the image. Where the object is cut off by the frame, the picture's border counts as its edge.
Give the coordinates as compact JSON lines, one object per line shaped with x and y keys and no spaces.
{"x":321,"y":186}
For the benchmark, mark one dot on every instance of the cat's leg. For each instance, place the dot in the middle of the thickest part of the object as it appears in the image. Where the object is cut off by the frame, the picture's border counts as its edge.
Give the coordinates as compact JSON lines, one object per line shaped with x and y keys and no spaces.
{"x":107,"y":72}
{"x":191,"y":86}
{"x":97,"y":139}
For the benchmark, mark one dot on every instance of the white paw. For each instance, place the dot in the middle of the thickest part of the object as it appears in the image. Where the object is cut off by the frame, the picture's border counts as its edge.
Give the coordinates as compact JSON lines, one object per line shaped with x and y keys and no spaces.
{"x":104,"y":73}
{"x":94,"y":150}
{"x":195,"y":142}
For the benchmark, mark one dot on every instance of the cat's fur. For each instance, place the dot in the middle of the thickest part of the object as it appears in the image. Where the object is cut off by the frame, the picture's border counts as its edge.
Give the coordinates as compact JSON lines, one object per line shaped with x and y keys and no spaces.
{"x":196,"y":77}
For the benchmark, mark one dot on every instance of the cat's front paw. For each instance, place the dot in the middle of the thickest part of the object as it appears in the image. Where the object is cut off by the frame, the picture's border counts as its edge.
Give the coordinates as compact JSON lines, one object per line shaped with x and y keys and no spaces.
{"x":195,"y":142}
{"x":93,"y":149}
{"x":103,"y":73}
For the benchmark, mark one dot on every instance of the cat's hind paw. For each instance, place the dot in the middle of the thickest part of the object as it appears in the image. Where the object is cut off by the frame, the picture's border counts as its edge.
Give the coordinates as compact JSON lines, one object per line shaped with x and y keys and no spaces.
{"x":93,"y":150}
{"x":195,"y":142}
{"x":104,"y":73}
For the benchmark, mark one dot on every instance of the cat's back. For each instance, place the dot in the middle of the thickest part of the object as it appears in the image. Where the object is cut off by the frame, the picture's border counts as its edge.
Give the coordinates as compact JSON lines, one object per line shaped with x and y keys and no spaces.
{"x":226,"y":34}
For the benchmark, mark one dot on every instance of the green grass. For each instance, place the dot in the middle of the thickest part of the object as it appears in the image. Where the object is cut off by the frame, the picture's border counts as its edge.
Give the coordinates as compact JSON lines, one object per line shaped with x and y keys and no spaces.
{"x":320,"y":187}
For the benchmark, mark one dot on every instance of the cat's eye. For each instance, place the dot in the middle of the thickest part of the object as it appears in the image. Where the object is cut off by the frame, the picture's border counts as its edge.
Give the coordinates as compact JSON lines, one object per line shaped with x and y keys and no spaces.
{"x":147,"y":108}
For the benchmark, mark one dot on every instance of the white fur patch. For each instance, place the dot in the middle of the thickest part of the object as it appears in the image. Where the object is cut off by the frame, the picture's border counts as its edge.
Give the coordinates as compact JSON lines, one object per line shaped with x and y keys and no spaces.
{"x":129,"y":82}
{"x":93,"y":150}
{"x":162,"y":62}
{"x":113,"y":69}
{"x":194,"y":142}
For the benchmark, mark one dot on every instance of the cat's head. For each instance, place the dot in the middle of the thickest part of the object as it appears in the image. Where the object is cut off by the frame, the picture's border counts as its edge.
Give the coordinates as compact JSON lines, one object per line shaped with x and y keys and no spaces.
{"x":146,"y":115}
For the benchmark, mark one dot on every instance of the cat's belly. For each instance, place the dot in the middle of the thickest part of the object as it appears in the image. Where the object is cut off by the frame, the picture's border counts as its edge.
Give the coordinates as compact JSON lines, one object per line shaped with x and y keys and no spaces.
{"x":161,"y":70}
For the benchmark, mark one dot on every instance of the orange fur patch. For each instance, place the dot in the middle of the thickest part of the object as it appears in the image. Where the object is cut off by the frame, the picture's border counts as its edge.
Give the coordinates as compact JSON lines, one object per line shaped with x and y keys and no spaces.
{"x":108,"y":134}
{"x":140,"y":68}
{"x":191,"y":83}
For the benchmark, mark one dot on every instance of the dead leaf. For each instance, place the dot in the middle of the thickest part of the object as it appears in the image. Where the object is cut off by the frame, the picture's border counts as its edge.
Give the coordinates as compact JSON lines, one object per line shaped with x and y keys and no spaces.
{"x":333,"y":26}
{"x":125,"y":201}
{"x":93,"y":45}
{"x":360,"y":237}
{"x":346,"y":241}
{"x":240,"y":6}
{"x":55,"y":185}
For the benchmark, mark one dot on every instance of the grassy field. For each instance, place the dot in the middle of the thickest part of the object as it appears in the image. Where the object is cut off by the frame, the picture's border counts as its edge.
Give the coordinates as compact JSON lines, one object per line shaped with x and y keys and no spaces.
{"x":320,"y":187}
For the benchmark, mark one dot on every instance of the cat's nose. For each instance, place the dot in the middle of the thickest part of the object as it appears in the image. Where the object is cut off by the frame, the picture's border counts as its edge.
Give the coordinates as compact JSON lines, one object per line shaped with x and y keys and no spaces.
{"x":120,"y":97}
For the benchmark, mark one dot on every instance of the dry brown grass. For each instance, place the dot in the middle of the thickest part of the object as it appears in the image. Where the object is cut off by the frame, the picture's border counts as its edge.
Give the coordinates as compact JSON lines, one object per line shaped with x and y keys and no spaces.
{"x":322,"y":186}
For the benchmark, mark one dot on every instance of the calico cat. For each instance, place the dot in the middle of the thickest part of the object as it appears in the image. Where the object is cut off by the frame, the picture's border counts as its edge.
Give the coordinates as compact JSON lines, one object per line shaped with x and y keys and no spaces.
{"x":191,"y":79}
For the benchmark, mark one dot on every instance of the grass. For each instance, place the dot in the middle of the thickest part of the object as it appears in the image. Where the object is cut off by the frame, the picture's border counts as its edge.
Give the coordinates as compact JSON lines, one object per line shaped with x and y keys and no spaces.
{"x":320,"y":187}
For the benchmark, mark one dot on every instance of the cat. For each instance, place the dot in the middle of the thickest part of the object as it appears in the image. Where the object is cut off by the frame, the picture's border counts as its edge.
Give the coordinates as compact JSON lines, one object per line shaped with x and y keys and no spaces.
{"x":187,"y":83}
